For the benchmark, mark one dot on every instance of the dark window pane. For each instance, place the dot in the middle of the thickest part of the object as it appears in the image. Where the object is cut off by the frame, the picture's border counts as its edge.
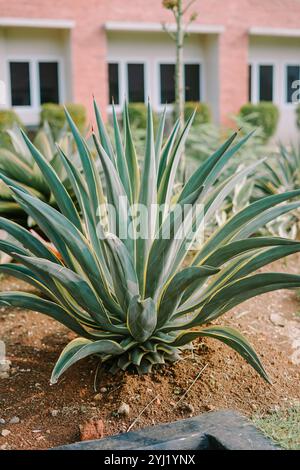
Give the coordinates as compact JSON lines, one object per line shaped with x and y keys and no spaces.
{"x":113,"y":83}
{"x":266,"y":83}
{"x":192,"y":82}
{"x":250,"y":83}
{"x":293,"y":75}
{"x":49,"y":82}
{"x":167,"y":83}
{"x":20,"y":83}
{"x":136,"y":89}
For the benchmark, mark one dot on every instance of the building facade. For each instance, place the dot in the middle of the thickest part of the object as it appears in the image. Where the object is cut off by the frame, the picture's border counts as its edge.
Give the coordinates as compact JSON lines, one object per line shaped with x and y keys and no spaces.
{"x":63,"y":51}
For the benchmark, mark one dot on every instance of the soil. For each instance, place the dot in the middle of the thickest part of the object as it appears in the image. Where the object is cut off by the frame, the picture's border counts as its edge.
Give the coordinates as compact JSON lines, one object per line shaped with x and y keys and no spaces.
{"x":51,"y":415}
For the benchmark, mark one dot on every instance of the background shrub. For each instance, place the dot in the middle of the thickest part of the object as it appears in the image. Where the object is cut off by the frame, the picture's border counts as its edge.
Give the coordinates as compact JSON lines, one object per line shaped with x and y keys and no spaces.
{"x":298,"y":116}
{"x":55,"y":116}
{"x":138,"y":115}
{"x":264,"y":115}
{"x":8,"y":118}
{"x":203,"y":114}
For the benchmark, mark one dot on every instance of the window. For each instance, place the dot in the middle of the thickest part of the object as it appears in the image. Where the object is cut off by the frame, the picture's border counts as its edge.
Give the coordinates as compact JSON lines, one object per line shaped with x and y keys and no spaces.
{"x":113,"y":83}
{"x":292,"y":77}
{"x":20,"y":83}
{"x":48,"y":73}
{"x":167,"y":83}
{"x":250,"y":83}
{"x":192,"y":82}
{"x":136,"y":83}
{"x":266,"y":83}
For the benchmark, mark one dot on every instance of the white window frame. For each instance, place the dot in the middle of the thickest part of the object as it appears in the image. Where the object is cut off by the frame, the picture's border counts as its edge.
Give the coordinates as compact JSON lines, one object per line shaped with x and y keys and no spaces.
{"x":255,"y":85}
{"x":123,"y":79}
{"x":34,"y":82}
{"x":285,"y":66}
{"x":160,"y":106}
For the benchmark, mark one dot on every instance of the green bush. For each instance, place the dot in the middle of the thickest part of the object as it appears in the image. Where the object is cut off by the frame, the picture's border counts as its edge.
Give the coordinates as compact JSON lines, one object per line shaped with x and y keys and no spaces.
{"x":298,"y":116}
{"x":55,"y":116}
{"x":78,"y":114}
{"x":203,"y":114}
{"x":8,"y":118}
{"x":264,"y":115}
{"x":138,"y":114}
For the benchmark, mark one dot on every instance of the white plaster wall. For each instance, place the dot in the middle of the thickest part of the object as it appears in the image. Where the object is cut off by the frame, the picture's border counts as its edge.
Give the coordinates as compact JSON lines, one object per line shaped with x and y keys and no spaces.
{"x":34,"y":45}
{"x":155,"y":48}
{"x":278,"y":52}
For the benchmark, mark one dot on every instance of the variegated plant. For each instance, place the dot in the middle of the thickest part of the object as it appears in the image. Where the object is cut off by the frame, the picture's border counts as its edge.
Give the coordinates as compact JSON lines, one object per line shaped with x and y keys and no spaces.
{"x":281,"y":173}
{"x":134,"y":301}
{"x":18,"y":164}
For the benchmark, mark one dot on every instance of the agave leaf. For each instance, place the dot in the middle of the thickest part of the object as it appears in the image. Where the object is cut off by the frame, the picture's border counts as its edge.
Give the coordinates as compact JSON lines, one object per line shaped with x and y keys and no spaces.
{"x":79,"y":349}
{"x":141,"y":318}
{"x":200,"y":176}
{"x":24,"y":274}
{"x":123,"y":272}
{"x":44,"y":144}
{"x":51,"y":309}
{"x":80,"y":290}
{"x":241,"y":290}
{"x":262,"y":219}
{"x":238,"y":247}
{"x":60,"y":193}
{"x":131,"y":157}
{"x":9,"y":247}
{"x":168,"y":179}
{"x":147,"y":199}
{"x":259,"y":260}
{"x":241,"y":267}
{"x":103,"y":135}
{"x":175,"y":289}
{"x":122,"y":167}
{"x":227,"y":232}
{"x":7,"y":207}
{"x":95,"y":232}
{"x":19,"y":145}
{"x":15,"y":168}
{"x":70,"y":243}
{"x":232,"y":338}
{"x":92,"y":178}
{"x":164,"y":246}
{"x":160,"y":136}
{"x":118,"y":199}
{"x":167,"y":152}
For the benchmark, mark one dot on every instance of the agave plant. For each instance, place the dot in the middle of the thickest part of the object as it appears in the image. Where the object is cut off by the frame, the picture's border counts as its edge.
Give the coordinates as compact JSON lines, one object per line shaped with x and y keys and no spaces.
{"x":18,"y":164}
{"x":133,"y":301}
{"x":281,"y":173}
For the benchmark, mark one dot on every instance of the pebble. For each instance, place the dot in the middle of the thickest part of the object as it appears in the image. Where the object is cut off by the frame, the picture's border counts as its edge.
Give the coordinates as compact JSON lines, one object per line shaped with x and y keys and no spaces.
{"x":103,"y":389}
{"x":4,"y":365}
{"x":277,"y":320}
{"x":5,"y":432}
{"x":54,"y":413}
{"x":124,"y":409}
{"x":2,"y":421}
{"x":98,"y":397}
{"x":188,"y":407}
{"x":4,"y":375}
{"x":14,"y":420}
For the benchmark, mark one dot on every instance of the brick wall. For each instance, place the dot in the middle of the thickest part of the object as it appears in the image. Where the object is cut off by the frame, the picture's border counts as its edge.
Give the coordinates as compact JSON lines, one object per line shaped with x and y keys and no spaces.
{"x":88,"y":42}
